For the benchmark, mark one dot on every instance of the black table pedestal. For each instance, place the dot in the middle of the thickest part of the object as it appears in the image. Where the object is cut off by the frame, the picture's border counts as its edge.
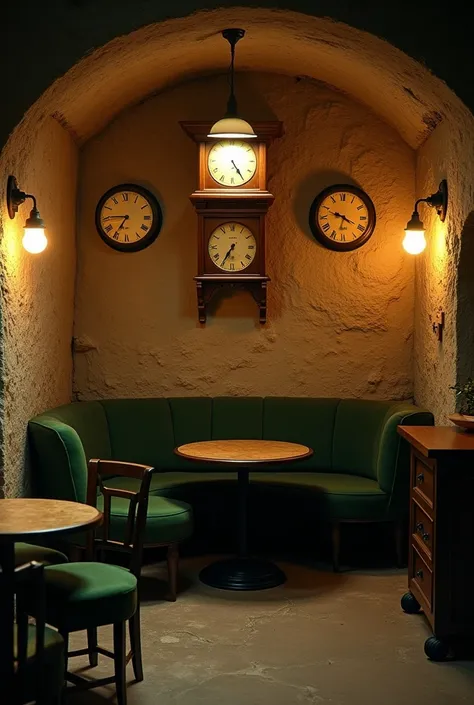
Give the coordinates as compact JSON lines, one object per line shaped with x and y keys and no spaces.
{"x":242,"y":572}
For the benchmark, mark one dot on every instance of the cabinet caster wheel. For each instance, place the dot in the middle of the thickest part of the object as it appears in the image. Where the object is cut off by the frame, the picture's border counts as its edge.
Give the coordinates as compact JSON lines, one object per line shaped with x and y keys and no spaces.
{"x":410,"y":604}
{"x":438,"y":650}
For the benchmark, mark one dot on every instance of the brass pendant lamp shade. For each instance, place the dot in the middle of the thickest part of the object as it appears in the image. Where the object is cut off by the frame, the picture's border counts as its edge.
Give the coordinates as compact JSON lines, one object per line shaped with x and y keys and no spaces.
{"x":231,"y":125}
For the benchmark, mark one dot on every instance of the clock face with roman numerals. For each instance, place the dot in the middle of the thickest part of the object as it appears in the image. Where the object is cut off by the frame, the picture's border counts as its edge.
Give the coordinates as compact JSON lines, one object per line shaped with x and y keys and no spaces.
{"x":342,"y":217}
{"x":232,"y":247}
{"x":232,"y":162}
{"x":128,"y":217}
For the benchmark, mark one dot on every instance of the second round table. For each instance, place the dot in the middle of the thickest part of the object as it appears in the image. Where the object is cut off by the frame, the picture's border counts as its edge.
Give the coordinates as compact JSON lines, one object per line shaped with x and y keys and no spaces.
{"x":243,"y":456}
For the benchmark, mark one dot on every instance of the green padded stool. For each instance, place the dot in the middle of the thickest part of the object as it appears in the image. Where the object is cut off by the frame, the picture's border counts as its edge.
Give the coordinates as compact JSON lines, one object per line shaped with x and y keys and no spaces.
{"x":86,"y":595}
{"x":27,"y":552}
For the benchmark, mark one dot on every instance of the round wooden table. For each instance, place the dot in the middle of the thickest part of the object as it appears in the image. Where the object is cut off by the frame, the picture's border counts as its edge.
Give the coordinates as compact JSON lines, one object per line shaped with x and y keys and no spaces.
{"x":22,"y":520}
{"x":243,"y":456}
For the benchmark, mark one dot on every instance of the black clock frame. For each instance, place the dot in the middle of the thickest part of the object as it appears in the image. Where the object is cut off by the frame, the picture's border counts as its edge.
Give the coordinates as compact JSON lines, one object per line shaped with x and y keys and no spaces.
{"x":151,"y":235}
{"x":321,"y":236}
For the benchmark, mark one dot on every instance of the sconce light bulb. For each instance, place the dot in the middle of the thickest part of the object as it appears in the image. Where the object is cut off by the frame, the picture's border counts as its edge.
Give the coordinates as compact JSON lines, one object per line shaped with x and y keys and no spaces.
{"x":414,"y":241}
{"x":34,"y":240}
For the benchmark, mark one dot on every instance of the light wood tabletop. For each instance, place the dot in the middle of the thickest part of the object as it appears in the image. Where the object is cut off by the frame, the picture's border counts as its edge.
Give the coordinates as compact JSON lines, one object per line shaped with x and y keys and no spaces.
{"x":23,"y":517}
{"x":244,"y":451}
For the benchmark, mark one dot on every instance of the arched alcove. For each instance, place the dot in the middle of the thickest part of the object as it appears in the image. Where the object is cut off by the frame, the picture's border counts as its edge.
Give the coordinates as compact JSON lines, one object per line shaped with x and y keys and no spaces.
{"x":43,"y":152}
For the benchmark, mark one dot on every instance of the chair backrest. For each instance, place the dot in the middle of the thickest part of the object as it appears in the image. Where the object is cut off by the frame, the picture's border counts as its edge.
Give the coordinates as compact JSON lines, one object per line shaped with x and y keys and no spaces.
{"x":132,"y":533}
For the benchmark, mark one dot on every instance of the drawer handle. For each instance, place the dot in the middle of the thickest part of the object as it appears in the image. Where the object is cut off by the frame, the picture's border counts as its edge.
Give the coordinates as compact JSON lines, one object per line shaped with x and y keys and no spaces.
{"x":419,"y":574}
{"x":421,"y":530}
{"x":420,"y":478}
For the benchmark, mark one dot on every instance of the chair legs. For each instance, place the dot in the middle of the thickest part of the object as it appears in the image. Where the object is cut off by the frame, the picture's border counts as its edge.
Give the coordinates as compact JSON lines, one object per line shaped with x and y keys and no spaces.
{"x":136,"y":645}
{"x":172,"y":559}
{"x":120,"y":662}
{"x":336,"y":545}
{"x":92,"y":646}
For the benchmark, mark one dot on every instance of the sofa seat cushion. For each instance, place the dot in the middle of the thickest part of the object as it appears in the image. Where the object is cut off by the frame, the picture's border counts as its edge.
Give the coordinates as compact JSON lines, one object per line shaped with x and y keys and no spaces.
{"x":337,"y":495}
{"x":165,"y":483}
{"x":82,"y":595}
{"x":332,"y":495}
{"x":168,"y":520}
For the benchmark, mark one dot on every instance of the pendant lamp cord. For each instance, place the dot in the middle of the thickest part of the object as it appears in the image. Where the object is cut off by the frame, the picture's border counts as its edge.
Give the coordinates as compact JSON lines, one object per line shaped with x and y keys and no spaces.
{"x":232,"y":103}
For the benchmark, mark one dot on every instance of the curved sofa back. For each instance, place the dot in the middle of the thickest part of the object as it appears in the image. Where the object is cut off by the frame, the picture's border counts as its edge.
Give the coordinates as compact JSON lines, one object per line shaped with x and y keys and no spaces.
{"x":352,"y":436}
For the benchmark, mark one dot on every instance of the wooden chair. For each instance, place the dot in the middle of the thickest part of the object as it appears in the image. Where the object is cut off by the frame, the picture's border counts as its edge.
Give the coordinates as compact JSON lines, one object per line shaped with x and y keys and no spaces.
{"x":38,"y":653}
{"x":168,"y":522}
{"x":89,"y":594}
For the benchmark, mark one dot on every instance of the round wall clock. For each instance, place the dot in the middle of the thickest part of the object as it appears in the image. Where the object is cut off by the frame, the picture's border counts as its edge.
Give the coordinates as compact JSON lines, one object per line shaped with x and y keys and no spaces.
{"x":342,"y":217}
{"x":232,"y":247}
{"x":128,"y":217}
{"x":232,"y":162}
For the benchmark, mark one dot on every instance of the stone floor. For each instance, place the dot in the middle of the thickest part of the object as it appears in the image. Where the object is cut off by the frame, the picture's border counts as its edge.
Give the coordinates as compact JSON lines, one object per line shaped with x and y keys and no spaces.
{"x":321,"y":638}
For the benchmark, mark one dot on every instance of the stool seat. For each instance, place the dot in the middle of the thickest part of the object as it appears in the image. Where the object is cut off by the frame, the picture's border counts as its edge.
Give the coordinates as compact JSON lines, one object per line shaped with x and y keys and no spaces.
{"x":27,"y":552}
{"x":88,"y":594}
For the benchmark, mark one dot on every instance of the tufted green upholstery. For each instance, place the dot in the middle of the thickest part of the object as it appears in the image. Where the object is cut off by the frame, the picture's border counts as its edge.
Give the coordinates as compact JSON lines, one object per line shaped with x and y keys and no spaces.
{"x":359,"y":469}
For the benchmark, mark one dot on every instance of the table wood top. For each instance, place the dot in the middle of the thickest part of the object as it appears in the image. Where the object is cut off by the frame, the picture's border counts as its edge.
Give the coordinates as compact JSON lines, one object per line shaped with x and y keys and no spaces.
{"x":244,"y":452}
{"x":20,"y":518}
{"x":437,"y":441}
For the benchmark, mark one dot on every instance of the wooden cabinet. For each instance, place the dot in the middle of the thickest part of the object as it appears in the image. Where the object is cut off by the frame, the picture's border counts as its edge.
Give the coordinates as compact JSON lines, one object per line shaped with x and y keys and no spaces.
{"x":441,"y":535}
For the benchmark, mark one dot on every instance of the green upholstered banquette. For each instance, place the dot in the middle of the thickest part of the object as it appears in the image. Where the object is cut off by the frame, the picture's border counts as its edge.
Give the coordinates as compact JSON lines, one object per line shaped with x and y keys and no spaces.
{"x":359,"y":469}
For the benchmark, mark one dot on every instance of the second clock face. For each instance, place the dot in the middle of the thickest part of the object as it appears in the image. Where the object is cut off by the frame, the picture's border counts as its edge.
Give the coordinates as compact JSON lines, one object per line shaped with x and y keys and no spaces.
{"x":232,"y":247}
{"x":232,"y":162}
{"x":342,"y":217}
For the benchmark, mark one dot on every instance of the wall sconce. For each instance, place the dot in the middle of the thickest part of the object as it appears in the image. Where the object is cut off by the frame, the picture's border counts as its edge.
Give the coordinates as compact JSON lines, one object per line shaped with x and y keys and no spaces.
{"x":414,"y":241}
{"x":34,"y":239}
{"x":231,"y":125}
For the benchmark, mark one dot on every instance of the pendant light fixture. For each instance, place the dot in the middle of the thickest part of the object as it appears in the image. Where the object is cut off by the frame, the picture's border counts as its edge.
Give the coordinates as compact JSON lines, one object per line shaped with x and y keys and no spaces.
{"x":231,"y":125}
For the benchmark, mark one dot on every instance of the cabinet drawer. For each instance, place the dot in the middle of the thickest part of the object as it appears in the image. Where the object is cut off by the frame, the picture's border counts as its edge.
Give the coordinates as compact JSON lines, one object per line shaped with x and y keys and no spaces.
{"x":423,"y":481}
{"x":422,"y":576}
{"x":422,"y":529}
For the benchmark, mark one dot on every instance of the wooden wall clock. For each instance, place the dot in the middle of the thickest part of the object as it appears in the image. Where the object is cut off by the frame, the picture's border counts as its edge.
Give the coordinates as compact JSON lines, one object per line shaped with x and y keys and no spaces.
{"x":231,"y":203}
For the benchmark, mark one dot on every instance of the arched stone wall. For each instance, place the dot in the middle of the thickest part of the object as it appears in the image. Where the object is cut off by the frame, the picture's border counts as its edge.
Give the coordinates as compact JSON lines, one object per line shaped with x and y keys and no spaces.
{"x":42,"y":150}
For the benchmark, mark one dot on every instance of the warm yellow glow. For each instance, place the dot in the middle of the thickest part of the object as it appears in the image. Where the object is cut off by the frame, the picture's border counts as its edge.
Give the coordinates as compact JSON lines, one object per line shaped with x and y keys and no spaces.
{"x":414,"y":241}
{"x":34,"y":240}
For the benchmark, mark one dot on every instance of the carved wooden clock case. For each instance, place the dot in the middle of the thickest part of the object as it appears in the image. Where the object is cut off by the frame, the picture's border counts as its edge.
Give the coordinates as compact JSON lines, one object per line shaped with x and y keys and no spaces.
{"x":231,"y":203}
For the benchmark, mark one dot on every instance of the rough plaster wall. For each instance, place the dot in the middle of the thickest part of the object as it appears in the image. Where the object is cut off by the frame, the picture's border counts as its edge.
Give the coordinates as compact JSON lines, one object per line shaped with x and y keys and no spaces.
{"x":449,"y":153}
{"x":338,"y":323}
{"x":72,"y":29}
{"x":37,"y":290}
{"x":401,"y":91}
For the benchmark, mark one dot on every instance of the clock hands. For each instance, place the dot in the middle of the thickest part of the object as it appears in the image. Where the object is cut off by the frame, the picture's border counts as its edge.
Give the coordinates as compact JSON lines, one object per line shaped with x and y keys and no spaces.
{"x":237,"y":169}
{"x":108,"y":217}
{"x":228,"y":253}
{"x":125,"y":217}
{"x":339,"y":215}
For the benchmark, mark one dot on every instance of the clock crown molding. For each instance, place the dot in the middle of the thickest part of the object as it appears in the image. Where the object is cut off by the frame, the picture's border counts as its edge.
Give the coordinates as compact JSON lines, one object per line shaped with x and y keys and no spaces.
{"x":266,"y":130}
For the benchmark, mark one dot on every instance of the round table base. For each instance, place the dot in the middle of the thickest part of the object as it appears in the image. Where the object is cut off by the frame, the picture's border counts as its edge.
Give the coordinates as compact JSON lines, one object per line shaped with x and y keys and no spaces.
{"x":242,"y":574}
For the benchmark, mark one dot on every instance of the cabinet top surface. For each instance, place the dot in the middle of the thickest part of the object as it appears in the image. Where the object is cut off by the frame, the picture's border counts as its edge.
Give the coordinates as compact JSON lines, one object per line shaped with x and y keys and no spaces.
{"x":435,"y":441}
